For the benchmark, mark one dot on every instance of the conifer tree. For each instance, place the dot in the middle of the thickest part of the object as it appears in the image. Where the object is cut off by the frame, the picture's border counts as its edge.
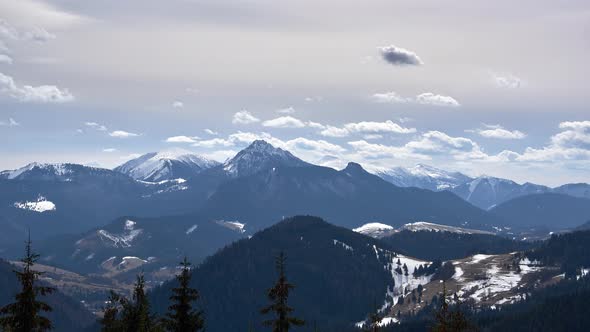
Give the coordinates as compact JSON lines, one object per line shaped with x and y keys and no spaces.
{"x":24,"y":315}
{"x":181,"y":316}
{"x":278,"y":295}
{"x":110,"y":321}
{"x":136,"y":316}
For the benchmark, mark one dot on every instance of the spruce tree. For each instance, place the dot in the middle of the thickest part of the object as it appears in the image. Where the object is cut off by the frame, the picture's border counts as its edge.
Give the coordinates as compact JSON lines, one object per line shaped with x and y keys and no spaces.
{"x":136,"y":316}
{"x":24,"y":315}
{"x":181,"y":316}
{"x":278,"y":295}
{"x":110,"y":321}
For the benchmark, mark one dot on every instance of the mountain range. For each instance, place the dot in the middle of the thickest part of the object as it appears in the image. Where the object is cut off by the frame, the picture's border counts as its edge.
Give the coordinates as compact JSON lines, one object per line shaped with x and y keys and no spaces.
{"x":258,"y":186}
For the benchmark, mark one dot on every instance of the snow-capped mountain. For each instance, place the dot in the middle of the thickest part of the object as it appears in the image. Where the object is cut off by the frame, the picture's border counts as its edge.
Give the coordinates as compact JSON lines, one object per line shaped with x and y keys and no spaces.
{"x":55,"y":172}
{"x":423,"y":226}
{"x":258,"y":156}
{"x":166,"y":165}
{"x":379,"y":230}
{"x":375,"y":230}
{"x":424,"y":176}
{"x":486,"y":192}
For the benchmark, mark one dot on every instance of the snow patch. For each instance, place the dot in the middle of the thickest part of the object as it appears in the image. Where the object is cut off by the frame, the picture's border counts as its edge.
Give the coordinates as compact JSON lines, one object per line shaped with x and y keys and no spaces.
{"x":191,"y":229}
{"x":375,"y":229}
{"x":40,"y":205}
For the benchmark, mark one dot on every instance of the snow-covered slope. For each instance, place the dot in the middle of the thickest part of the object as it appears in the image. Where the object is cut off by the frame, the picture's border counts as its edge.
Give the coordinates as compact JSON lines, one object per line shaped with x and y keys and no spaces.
{"x":259,"y":156}
{"x":375,"y":229}
{"x":486,"y":192}
{"x":430,"y":227}
{"x":63,"y":172}
{"x":379,"y":230}
{"x":423,"y":176}
{"x":166,"y":165}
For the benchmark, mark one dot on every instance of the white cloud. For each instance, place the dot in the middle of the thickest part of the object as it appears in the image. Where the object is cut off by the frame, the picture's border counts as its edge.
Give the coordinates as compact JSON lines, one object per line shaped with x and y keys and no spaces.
{"x":38,"y":34}
{"x":398,"y":56}
{"x":109,"y":150}
{"x":427,"y":98}
{"x":331,"y":131}
{"x":211,"y":132}
{"x":287,"y":110}
{"x":506,"y":80}
{"x":11,"y":123}
{"x":122,"y":134}
{"x":390,"y":97}
{"x":182,"y":139}
{"x":497,"y":131}
{"x":244,"y":117}
{"x":430,"y":98}
{"x":366,"y":127}
{"x":96,"y":126}
{"x":178,"y":104}
{"x":284,"y":122}
{"x":5,"y":59}
{"x":28,"y":93}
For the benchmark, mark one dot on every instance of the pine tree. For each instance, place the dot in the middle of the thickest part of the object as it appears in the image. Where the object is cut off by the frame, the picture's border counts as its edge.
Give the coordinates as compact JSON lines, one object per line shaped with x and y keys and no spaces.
{"x":181,"y":316}
{"x":136,"y":316}
{"x":24,"y":315}
{"x":450,"y":321}
{"x":278,"y":296}
{"x":110,"y":321}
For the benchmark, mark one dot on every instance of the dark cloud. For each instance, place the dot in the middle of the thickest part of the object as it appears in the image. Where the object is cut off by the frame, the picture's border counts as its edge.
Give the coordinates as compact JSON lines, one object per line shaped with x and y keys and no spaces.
{"x":398,"y":56}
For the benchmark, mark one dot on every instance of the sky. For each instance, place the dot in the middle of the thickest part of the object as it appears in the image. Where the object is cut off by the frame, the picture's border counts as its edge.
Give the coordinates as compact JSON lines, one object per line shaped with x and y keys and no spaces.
{"x":483,"y":87}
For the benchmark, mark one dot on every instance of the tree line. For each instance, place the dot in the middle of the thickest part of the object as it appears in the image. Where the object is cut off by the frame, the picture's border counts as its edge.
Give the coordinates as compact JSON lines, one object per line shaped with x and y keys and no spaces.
{"x":122,"y":314}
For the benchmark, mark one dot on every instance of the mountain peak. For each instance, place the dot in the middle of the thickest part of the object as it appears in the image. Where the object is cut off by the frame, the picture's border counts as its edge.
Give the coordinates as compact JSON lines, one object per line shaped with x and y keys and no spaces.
{"x":258,"y":156}
{"x":354,"y":168}
{"x":165,"y":165}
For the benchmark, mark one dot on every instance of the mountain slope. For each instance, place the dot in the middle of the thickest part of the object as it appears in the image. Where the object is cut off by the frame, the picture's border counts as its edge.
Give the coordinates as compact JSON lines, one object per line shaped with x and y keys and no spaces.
{"x":338,"y":274}
{"x":166,"y":165}
{"x":423,"y":176}
{"x":555,"y":211}
{"x":486,"y":192}
{"x":129,"y":243}
{"x":259,"y":156}
{"x":350,"y":197}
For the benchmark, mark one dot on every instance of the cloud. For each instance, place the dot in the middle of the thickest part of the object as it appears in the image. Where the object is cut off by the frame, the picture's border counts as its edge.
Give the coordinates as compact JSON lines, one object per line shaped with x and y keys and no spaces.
{"x":390,"y":97}
{"x":430,"y":98}
{"x":366,"y":127}
{"x":284,"y":122}
{"x":96,"y":126}
{"x":109,"y":150}
{"x":288,"y":110}
{"x":5,"y":59}
{"x":398,"y":56}
{"x":178,"y":104}
{"x":11,"y":123}
{"x":28,"y":93}
{"x":506,"y":80}
{"x":427,"y":98}
{"x":244,"y":117}
{"x":575,"y":135}
{"x":436,"y":142}
{"x":211,"y":132}
{"x":182,"y":139}
{"x":497,"y":131}
{"x":38,"y":34}
{"x":122,"y":134}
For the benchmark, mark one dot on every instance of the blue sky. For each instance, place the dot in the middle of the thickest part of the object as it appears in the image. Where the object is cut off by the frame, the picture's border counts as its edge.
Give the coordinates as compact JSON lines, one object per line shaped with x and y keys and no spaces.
{"x":482,"y":87}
